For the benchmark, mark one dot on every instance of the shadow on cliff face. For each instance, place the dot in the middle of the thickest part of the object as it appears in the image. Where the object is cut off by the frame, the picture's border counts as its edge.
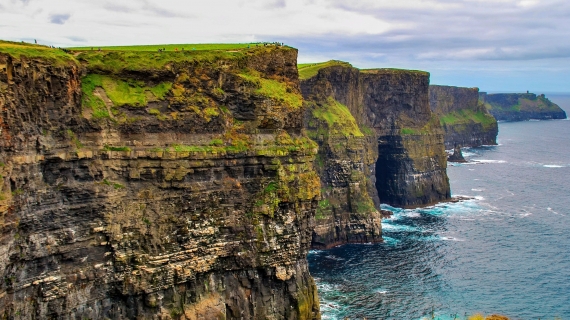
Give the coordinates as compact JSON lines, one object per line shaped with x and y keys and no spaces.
{"x":399,"y":156}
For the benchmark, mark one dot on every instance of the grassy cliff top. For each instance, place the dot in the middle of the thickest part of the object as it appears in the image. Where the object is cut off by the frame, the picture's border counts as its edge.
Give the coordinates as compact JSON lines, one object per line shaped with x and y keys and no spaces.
{"x":174,"y":47}
{"x":394,"y":71}
{"x":309,"y":70}
{"x":466,"y":116}
{"x":28,"y":50}
{"x":515,"y":102}
{"x":138,"y":58}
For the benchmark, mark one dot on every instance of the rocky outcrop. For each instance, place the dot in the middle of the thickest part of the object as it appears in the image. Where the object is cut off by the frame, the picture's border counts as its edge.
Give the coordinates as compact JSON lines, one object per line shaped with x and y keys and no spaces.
{"x":521,"y":106}
{"x":155,"y":186}
{"x":378,"y":141}
{"x":457,"y":155}
{"x":465,"y":120}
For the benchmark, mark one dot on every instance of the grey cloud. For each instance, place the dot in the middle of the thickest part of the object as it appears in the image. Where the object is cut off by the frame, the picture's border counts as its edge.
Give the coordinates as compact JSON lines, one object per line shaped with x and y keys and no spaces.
{"x":118,"y":8}
{"x":275,"y":4}
{"x":160,"y":11}
{"x":59,"y":18}
{"x":77,"y":39}
{"x":467,"y":30}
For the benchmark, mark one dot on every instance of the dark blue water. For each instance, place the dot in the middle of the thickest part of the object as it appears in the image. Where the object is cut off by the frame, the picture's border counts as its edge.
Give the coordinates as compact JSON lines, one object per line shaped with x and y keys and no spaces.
{"x":507,"y":251}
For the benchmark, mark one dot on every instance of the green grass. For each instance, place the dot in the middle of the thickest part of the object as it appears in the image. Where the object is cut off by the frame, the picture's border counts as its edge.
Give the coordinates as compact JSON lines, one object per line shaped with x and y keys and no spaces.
{"x":112,"y":148}
{"x":309,"y":70}
{"x":89,"y":100}
{"x":113,"y":184}
{"x":394,"y":71}
{"x":119,"y":61}
{"x":172,"y":47}
{"x":467,"y":116}
{"x":28,"y":50}
{"x":338,"y":119}
{"x":407,"y":131}
{"x":274,"y":89}
{"x":121,"y":93}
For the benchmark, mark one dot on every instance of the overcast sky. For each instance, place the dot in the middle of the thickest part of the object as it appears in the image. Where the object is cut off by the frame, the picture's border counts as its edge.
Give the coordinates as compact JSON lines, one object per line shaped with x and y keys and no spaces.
{"x":497,"y":45}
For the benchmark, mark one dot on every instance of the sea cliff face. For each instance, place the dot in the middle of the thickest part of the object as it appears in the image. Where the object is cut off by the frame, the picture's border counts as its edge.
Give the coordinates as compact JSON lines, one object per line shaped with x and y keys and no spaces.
{"x":411,"y":166}
{"x":155,"y":186}
{"x":465,"y":120}
{"x":379,"y":142}
{"x":521,"y":106}
{"x":346,"y":160}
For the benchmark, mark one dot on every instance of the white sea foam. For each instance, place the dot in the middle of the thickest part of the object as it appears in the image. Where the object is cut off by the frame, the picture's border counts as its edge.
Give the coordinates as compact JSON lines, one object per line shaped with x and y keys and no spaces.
{"x":552,"y":166}
{"x":450,"y":239}
{"x":333,"y":257}
{"x":477,"y":190}
{"x":398,"y":228}
{"x":390,"y":240}
{"x":489,"y":161}
{"x":468,"y":154}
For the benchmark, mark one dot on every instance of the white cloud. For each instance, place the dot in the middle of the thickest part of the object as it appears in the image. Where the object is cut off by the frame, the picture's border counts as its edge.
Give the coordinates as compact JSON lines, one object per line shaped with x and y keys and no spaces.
{"x":411,"y":33}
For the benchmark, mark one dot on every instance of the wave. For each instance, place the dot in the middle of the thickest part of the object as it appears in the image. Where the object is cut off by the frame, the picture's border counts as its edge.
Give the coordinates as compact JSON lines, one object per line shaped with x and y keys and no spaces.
{"x":390,"y":240}
{"x":489,"y":161}
{"x":553,"y":166}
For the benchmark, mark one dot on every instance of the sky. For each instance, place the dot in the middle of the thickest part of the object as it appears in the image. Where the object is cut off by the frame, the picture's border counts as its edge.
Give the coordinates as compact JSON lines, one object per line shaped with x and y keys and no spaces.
{"x":496,"y":45}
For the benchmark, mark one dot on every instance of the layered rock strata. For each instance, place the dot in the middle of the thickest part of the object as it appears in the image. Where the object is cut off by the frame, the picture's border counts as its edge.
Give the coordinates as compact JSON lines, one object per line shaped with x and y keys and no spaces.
{"x":346,"y":160}
{"x":521,"y":106}
{"x":155,"y":186}
{"x":378,"y":141}
{"x":465,"y":120}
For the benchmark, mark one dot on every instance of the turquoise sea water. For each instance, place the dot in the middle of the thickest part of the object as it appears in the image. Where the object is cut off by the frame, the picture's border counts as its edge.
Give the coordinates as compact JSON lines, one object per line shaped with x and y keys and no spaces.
{"x":506,"y":251}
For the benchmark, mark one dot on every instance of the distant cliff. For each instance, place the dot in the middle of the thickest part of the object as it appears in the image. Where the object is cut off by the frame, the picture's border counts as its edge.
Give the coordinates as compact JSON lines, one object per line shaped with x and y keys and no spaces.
{"x":147,"y":185}
{"x":378,"y":142}
{"x":521,"y":106}
{"x":465,"y":120}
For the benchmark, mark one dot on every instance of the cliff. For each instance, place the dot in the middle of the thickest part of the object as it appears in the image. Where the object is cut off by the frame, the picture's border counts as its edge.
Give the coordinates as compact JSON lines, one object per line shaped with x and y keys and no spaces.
{"x":347,"y":157}
{"x":147,"y":185}
{"x":465,"y":120}
{"x":378,"y":141}
{"x":521,"y":106}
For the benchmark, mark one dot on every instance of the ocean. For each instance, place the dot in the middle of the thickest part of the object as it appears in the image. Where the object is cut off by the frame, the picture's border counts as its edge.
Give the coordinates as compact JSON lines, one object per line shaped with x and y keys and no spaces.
{"x":506,"y":251}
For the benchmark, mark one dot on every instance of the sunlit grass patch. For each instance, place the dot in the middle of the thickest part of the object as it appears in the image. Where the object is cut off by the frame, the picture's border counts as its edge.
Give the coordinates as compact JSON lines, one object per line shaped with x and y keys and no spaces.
{"x":18,"y":50}
{"x":274,"y":89}
{"x":338,"y":119}
{"x":309,"y":70}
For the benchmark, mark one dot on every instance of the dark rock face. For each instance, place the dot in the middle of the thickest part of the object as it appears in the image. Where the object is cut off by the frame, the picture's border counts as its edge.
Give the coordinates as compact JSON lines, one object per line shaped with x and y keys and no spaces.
{"x":521,"y":106}
{"x":411,"y":166}
{"x":399,"y":147}
{"x":346,"y":160}
{"x":457,"y":155}
{"x":465,"y":120}
{"x":190,"y":215}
